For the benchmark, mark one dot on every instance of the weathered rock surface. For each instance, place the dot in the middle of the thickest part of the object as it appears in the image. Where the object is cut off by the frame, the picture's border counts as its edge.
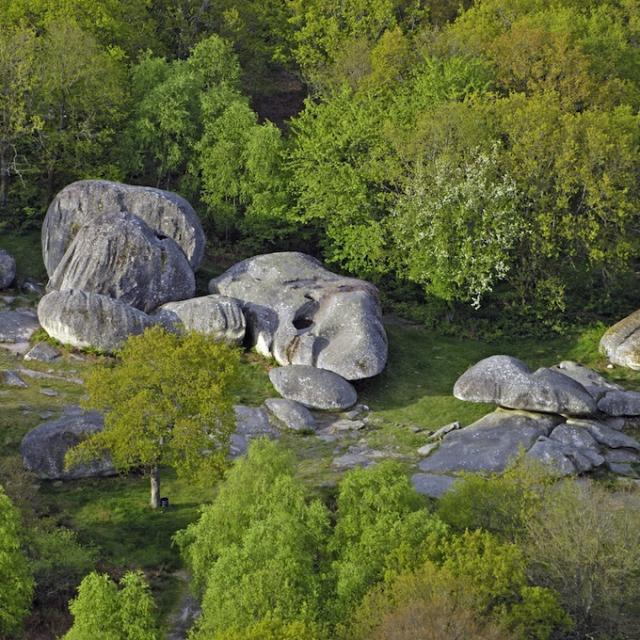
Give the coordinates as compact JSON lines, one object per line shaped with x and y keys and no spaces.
{"x":42,"y":352}
{"x":120,"y":256}
{"x":620,"y":403}
{"x":621,"y":342}
{"x":7,"y":269}
{"x":43,"y":449}
{"x":312,"y":387}
{"x":300,"y":313}
{"x":431,"y":485}
{"x":251,"y":422}
{"x":83,"y":319}
{"x":17,"y":326}
{"x":490,"y":444}
{"x":216,"y":316}
{"x":292,"y":414}
{"x":579,"y":439}
{"x":592,"y":381}
{"x":166,"y":213}
{"x":12,"y":379}
{"x":606,"y":435}
{"x":508,"y":382}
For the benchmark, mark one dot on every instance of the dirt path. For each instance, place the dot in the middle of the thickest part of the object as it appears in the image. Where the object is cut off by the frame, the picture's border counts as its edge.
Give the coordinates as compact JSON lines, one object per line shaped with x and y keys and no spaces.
{"x":187,"y":612}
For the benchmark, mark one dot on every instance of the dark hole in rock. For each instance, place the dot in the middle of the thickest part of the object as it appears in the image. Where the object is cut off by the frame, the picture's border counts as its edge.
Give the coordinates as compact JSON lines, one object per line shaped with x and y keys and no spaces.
{"x":302,"y":323}
{"x":161,"y":236}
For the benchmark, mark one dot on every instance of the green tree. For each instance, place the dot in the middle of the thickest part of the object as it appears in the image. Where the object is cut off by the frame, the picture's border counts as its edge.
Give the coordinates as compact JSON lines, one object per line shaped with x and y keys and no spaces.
{"x":104,"y":611}
{"x":167,"y":401}
{"x":255,"y":550}
{"x":15,"y":574}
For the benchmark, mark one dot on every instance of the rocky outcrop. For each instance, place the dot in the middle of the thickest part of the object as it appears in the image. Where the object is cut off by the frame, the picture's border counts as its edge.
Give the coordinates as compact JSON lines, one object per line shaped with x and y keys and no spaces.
{"x":120,"y":256}
{"x":84,"y":320}
{"x":302,"y":314}
{"x":44,"y":448}
{"x":167,"y":213}
{"x":508,"y":382}
{"x":216,"y":316}
{"x":7,"y":269}
{"x":314,"y":388}
{"x":17,"y":326}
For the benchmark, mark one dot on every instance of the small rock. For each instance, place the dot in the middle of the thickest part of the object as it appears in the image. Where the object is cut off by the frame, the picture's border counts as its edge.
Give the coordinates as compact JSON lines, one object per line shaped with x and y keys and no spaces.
{"x":357,"y":411}
{"x":43,"y":352}
{"x":8,"y":299}
{"x":347,"y":425}
{"x":7,"y":269}
{"x":426,"y":449}
{"x":442,"y":431}
{"x":17,"y":326}
{"x":431,"y":485}
{"x":52,"y":393}
{"x":351,"y":461}
{"x":12,"y":379}
{"x":35,"y":288}
{"x":292,"y":414}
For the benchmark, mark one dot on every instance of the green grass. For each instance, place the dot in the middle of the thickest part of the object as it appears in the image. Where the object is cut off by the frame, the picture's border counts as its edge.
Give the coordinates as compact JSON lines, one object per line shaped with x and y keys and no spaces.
{"x":25,"y":248}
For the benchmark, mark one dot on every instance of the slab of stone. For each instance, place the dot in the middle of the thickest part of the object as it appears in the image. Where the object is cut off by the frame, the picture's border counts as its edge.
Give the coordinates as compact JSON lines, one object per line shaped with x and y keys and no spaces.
{"x":553,"y":454}
{"x":291,"y":414}
{"x":607,"y":436}
{"x":620,"y":403}
{"x":12,"y":379}
{"x":42,"y":352}
{"x":592,"y":381}
{"x":442,"y":431}
{"x":432,"y":485}
{"x":44,"y":448}
{"x":17,"y":326}
{"x":426,"y":449}
{"x":300,"y":313}
{"x":508,"y":382}
{"x":314,"y":388}
{"x":490,"y":444}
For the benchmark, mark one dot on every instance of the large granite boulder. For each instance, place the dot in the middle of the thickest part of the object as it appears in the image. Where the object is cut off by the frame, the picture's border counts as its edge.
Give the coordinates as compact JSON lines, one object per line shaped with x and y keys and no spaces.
{"x":508,"y":382}
{"x":17,"y":326}
{"x":119,"y":255}
{"x":302,"y":314}
{"x":44,"y":448}
{"x":490,"y":444}
{"x":314,"y":388}
{"x":216,"y":316}
{"x":166,"y":213}
{"x":83,"y":319}
{"x":7,"y":269}
{"x":621,"y":342}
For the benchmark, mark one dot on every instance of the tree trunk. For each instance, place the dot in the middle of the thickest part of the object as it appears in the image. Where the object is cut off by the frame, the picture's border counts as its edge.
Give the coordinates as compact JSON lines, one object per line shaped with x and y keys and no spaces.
{"x":155,"y":488}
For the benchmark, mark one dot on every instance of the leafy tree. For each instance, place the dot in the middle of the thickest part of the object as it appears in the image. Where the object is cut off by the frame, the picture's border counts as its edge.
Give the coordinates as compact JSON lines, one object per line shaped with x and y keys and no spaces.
{"x":381,"y":526}
{"x":15,"y":574}
{"x":167,"y":401}
{"x":103,"y":610}
{"x":255,"y":550}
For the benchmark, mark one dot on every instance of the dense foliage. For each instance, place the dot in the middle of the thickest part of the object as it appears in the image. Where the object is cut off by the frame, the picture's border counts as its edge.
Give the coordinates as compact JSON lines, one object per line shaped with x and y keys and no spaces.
{"x":166,"y":401}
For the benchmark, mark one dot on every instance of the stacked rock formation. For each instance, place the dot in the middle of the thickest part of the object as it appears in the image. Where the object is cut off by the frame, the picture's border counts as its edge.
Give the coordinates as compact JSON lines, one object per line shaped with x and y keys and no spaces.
{"x":567,"y":416}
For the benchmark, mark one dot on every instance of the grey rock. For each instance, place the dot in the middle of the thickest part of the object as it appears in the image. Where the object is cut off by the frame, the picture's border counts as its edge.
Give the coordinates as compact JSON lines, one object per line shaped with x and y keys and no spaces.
{"x":575,"y":436}
{"x":216,"y":316}
{"x":351,"y":461}
{"x":85,"y":320}
{"x":508,"y":382}
{"x":51,"y":393}
{"x":33,"y":288}
{"x":17,"y":326}
{"x":431,"y":485}
{"x":292,"y":414}
{"x":312,"y":387}
{"x":356,"y":412}
{"x":592,"y":381}
{"x":300,"y":313}
{"x":12,"y":379}
{"x":426,"y":449}
{"x":120,"y":256}
{"x":166,"y":213}
{"x":623,"y":462}
{"x":251,"y":422}
{"x":442,"y":431}
{"x":621,"y":342}
{"x":43,"y":352}
{"x":43,"y":449}
{"x":553,"y":454}
{"x":606,"y":435}
{"x":340,"y":426}
{"x":620,"y":403}
{"x":489,"y":444}
{"x":7,"y":269}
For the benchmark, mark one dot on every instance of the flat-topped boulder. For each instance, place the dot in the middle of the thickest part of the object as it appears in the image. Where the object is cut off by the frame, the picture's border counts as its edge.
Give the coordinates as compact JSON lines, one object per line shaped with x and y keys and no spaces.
{"x":508,"y":382}
{"x":168,"y":214}
{"x":18,"y":326}
{"x":302,"y":314}
{"x":489,"y":444}
{"x":118,"y":255}
{"x":621,"y":342}
{"x":216,"y":316}
{"x":83,"y":320}
{"x":7,"y":269}
{"x":43,"y":449}
{"x":314,"y":388}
